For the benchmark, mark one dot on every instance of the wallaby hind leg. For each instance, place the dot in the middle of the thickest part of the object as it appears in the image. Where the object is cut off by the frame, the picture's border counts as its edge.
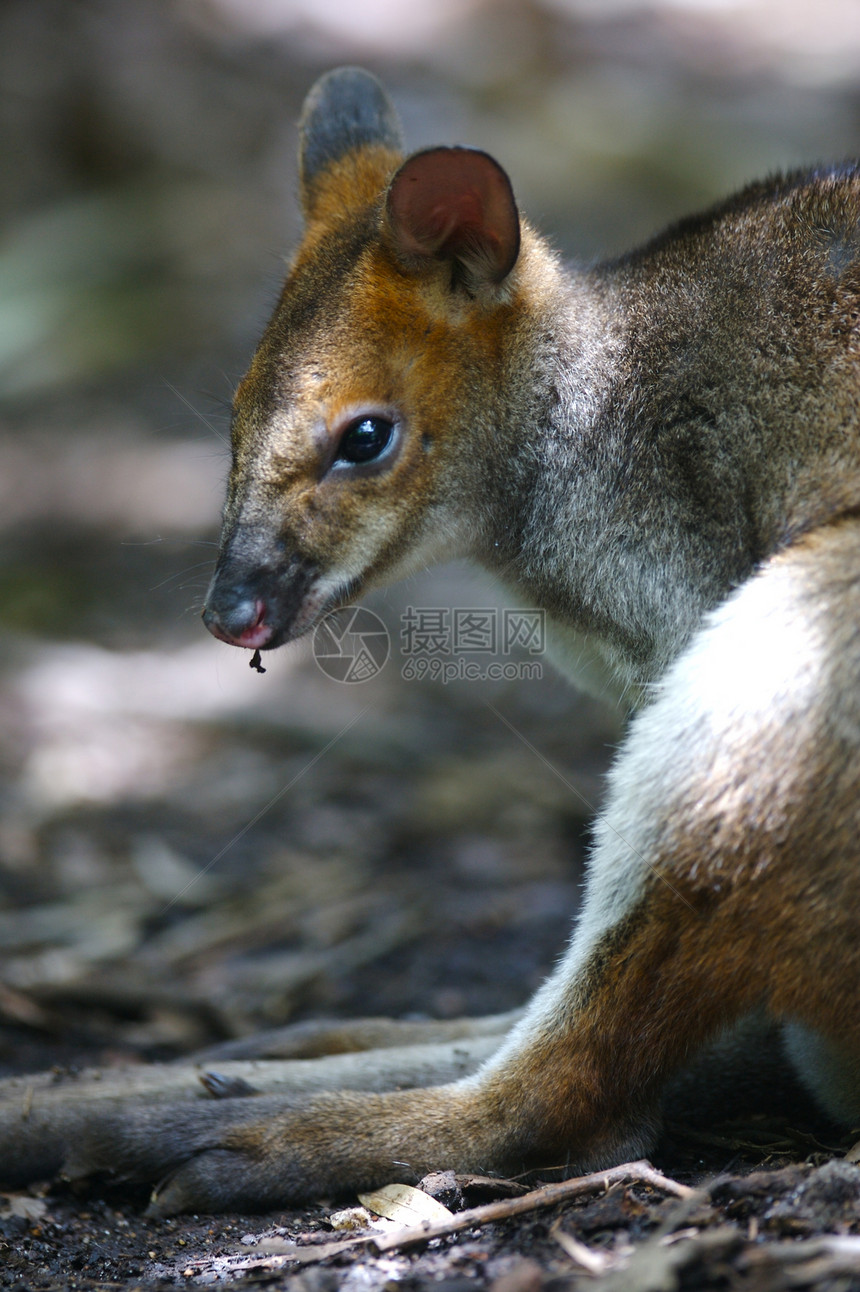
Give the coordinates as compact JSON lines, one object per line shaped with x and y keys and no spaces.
{"x":313,"y":1038}
{"x":47,"y":1118}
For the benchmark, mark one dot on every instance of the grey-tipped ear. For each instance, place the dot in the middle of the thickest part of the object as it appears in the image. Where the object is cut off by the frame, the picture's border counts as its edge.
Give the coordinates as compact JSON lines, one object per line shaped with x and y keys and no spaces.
{"x":346,"y":109}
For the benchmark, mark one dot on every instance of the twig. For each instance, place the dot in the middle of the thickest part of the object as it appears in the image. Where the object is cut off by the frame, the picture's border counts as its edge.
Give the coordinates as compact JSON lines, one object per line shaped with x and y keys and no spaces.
{"x":277,"y":1254}
{"x":548,"y":1196}
{"x":589,"y":1258}
{"x":808,"y":1261}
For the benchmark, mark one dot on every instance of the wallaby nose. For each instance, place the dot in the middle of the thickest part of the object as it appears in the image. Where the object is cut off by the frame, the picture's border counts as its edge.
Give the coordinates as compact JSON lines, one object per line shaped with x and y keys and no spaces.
{"x":254,"y":600}
{"x":238,"y":618}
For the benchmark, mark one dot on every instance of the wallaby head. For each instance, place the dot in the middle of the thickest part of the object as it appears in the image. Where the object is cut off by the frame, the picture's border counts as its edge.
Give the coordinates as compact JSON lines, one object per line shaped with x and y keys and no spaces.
{"x":357,"y":429}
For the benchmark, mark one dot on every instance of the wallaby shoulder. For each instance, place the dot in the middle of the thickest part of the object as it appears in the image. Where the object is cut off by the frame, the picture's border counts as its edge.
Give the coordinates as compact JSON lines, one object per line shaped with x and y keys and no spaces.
{"x":751,"y":309}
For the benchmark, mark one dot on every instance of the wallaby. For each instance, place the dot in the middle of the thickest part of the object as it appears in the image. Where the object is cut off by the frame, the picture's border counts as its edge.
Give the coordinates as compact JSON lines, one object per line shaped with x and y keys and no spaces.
{"x":662,"y":452}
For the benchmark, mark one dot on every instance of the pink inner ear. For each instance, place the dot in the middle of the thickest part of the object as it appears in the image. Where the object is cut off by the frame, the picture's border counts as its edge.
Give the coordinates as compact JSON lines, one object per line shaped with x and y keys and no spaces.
{"x":445,"y":220}
{"x":454,"y":203}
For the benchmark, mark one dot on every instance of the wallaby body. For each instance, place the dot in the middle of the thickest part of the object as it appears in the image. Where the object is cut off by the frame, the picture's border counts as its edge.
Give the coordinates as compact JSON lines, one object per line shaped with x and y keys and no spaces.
{"x":663,"y":452}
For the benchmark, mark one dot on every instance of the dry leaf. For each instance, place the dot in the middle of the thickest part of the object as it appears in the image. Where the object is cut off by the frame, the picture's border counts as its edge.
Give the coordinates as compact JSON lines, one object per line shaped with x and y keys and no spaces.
{"x":405,"y":1205}
{"x":354,"y":1218}
{"x":21,"y":1204}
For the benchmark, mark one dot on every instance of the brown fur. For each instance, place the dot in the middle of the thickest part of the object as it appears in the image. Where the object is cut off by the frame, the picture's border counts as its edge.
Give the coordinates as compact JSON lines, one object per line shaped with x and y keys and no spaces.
{"x":664,"y":453}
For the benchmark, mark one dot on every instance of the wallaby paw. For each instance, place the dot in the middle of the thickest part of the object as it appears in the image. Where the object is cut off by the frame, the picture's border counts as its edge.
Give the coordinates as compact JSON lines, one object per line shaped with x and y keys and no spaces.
{"x":218,"y":1180}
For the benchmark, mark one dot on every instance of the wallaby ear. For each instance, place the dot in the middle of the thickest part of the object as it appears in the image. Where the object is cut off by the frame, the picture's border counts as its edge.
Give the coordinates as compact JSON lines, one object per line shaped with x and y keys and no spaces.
{"x":455,"y":204}
{"x":345,"y":110}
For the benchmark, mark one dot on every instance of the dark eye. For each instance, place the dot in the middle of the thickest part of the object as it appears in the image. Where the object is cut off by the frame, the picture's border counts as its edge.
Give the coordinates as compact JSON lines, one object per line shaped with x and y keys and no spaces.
{"x":365,"y":439}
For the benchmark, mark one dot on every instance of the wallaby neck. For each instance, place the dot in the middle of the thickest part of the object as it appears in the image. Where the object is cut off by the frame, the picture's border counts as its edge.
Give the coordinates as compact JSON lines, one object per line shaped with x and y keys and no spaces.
{"x":582,"y":529}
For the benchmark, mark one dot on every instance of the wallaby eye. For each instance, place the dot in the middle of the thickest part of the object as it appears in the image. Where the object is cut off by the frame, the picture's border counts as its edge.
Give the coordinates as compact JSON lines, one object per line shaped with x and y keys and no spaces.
{"x":364,"y":439}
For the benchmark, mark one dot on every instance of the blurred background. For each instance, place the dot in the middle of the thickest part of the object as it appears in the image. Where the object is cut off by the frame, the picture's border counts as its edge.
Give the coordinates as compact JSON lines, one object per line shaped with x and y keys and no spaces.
{"x":189,"y":850}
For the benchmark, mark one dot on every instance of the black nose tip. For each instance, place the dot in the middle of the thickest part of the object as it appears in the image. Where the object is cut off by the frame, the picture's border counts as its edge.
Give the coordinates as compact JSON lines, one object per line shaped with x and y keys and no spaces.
{"x":239,"y":619}
{"x":253,"y":600}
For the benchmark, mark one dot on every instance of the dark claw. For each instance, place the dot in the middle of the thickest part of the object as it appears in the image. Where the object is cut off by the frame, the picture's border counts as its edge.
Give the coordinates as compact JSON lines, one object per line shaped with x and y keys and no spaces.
{"x":221,"y":1087}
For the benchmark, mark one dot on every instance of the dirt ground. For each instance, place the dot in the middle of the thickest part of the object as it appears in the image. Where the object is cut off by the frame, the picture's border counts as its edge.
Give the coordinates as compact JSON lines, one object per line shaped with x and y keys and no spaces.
{"x":794,"y":1225}
{"x":191,"y":852}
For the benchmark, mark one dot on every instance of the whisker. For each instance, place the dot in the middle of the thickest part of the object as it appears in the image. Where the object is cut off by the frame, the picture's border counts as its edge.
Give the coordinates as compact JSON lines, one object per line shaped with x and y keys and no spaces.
{"x":177,"y":574}
{"x":221,"y":402}
{"x":196,"y":411}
